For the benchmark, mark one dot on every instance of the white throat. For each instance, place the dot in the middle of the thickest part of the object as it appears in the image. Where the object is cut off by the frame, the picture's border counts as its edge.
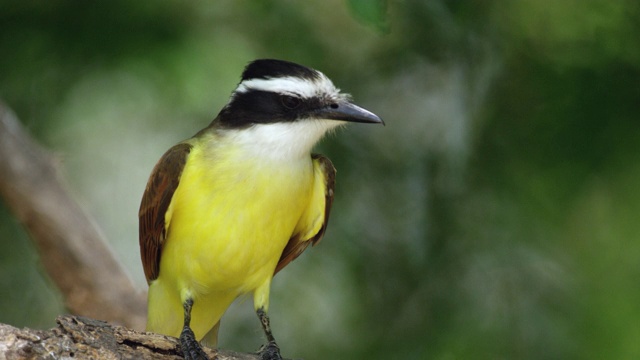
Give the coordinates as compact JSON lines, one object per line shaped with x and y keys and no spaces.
{"x":280,"y":141}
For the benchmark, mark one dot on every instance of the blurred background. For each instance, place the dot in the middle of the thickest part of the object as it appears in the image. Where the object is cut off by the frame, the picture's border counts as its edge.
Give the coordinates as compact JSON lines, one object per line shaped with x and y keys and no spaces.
{"x":494,"y":217}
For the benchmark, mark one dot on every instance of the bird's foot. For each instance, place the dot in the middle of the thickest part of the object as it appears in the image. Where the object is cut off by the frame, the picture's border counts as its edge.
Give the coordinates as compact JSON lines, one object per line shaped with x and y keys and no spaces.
{"x":191,"y":349}
{"x":271,"y":351}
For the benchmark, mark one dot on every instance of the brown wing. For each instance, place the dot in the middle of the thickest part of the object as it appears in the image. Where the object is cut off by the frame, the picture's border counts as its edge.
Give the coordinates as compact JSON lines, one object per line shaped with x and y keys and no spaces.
{"x":156,"y":199}
{"x":296,"y":245}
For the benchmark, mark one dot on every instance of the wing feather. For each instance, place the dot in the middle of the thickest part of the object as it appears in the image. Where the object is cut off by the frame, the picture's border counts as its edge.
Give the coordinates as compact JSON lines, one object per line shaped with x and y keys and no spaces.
{"x":297,"y":244}
{"x":162,"y":183}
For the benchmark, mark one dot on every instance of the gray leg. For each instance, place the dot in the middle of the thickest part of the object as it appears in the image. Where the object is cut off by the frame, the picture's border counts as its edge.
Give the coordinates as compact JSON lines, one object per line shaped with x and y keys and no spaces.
{"x":270,"y":351}
{"x":191,"y":349}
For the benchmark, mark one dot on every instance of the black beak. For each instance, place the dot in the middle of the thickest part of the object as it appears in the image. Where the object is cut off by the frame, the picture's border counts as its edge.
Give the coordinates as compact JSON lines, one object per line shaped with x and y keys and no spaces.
{"x":346,"y":111}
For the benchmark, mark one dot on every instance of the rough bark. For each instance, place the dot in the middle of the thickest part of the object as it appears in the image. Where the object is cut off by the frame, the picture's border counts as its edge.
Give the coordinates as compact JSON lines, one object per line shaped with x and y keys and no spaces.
{"x":78,"y":337}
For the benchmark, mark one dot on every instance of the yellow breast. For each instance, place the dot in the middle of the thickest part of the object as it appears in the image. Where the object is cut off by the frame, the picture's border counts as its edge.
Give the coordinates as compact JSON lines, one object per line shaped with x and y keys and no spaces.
{"x":231,"y":217}
{"x":228,"y":223}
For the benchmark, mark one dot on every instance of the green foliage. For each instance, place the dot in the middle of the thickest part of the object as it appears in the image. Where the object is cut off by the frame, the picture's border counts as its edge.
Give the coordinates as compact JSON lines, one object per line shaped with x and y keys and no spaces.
{"x":371,"y":12}
{"x":575,"y":33}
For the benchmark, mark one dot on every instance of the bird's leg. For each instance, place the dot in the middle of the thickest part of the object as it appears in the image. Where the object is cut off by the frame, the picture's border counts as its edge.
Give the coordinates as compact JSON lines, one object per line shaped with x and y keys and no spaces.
{"x":270,"y":351}
{"x":191,"y":349}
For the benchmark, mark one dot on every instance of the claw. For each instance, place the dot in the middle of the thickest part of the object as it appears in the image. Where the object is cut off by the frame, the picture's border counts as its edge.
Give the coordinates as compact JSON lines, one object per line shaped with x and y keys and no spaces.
{"x":191,"y":349}
{"x":271,"y":351}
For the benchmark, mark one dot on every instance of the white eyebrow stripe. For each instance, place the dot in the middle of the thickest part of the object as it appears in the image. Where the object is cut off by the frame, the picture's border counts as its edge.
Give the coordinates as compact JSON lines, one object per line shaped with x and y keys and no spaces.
{"x":290,"y":85}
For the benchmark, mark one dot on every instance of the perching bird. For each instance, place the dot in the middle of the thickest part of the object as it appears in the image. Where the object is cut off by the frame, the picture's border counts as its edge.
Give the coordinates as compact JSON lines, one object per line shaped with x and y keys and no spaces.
{"x":227,"y":209}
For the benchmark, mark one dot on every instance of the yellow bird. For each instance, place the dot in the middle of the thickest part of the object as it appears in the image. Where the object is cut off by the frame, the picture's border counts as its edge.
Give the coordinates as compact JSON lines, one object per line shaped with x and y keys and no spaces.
{"x":227,"y":209}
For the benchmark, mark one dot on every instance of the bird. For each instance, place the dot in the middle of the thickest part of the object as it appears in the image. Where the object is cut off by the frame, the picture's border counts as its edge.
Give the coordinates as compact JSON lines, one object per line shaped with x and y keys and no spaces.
{"x":228,"y":208}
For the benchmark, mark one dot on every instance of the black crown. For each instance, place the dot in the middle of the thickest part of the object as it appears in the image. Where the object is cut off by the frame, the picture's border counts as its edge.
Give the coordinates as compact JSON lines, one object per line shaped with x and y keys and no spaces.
{"x":271,"y":68}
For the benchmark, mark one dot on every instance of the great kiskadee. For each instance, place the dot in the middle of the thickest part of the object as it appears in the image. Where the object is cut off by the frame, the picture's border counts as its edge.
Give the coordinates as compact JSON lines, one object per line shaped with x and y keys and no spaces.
{"x":227,"y":209}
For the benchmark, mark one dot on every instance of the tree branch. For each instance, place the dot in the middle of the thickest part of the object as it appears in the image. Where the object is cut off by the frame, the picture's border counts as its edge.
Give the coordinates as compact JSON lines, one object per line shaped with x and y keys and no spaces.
{"x":82,"y":338}
{"x":71,"y":247}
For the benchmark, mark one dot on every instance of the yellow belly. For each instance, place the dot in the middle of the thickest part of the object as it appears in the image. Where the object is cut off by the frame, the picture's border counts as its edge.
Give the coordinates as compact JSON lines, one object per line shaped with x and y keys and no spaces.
{"x":229,"y":220}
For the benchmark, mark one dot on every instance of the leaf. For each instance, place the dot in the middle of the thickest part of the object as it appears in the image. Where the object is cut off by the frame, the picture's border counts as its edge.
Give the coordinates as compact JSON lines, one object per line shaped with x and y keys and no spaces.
{"x":371,"y":13}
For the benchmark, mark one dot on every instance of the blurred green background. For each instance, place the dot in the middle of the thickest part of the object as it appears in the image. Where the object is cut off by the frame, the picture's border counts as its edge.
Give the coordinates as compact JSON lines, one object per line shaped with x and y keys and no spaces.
{"x":494,"y":217}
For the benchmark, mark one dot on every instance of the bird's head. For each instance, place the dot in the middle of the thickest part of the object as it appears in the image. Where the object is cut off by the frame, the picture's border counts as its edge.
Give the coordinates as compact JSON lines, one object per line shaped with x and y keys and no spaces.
{"x":278,"y":101}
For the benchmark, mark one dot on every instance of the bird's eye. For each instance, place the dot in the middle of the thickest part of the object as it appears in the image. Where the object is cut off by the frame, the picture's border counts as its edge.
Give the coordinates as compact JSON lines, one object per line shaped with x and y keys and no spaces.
{"x":290,"y":102}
